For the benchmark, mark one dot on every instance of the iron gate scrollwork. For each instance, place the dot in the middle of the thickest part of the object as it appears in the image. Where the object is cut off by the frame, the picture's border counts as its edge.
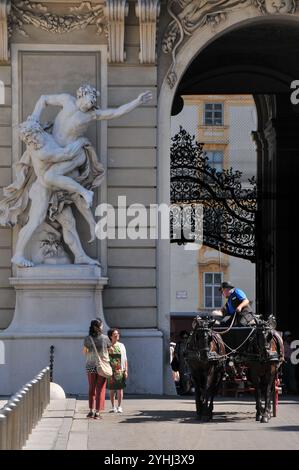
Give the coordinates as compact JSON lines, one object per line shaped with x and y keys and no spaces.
{"x":229,"y":208}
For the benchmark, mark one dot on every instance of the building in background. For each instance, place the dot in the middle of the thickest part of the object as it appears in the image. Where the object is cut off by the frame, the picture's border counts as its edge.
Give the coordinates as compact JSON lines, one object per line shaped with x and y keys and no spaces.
{"x":224,"y":124}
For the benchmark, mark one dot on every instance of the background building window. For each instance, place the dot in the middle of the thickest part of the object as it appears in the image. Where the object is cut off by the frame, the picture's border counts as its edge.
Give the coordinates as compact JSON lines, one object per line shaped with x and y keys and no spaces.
{"x":215,"y":159}
{"x":212,"y":296}
{"x":213,"y":115}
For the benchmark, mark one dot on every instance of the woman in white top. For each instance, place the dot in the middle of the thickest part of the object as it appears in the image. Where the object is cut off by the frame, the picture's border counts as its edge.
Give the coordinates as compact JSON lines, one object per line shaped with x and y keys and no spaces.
{"x":119,"y":364}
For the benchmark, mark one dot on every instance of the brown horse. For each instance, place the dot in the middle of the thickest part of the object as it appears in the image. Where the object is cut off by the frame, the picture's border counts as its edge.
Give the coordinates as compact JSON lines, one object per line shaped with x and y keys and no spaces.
{"x":263,"y":357}
{"x":205,"y":356}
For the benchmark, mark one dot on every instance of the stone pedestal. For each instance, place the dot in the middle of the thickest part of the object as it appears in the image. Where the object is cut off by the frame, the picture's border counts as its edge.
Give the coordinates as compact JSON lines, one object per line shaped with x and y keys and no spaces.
{"x":54,"y":306}
{"x":57,"y":299}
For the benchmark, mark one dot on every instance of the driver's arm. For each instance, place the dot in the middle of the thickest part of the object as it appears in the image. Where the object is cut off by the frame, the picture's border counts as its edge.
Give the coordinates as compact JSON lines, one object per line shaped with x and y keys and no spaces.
{"x":243,"y":304}
{"x":218,"y":313}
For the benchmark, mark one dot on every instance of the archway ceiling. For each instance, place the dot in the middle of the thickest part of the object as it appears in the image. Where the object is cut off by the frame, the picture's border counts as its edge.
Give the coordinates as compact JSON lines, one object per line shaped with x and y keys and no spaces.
{"x":256,"y":59}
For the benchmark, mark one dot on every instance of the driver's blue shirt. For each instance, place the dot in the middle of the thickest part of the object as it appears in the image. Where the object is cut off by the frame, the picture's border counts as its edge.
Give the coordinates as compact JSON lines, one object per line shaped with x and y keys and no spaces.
{"x":236,"y":294}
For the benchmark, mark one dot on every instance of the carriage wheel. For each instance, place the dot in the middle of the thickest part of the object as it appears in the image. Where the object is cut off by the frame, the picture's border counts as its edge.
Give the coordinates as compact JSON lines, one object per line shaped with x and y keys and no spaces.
{"x":275,"y":396}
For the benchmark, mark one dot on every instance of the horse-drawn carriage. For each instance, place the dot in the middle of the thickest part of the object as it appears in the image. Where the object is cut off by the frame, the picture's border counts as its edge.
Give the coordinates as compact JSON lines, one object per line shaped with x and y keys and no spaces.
{"x":213,"y":352}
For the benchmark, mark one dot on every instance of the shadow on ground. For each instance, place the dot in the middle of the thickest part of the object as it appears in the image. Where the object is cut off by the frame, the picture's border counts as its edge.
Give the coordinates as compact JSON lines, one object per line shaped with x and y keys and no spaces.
{"x":187,"y":417}
{"x":285,"y":428}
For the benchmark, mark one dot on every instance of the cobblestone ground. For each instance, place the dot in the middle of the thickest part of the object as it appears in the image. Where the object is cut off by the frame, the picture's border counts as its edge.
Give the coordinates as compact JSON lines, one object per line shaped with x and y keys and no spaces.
{"x":166,"y":423}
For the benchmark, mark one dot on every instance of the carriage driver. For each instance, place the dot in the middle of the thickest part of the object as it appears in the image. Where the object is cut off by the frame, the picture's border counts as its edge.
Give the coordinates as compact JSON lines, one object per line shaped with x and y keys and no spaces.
{"x":236,"y":302}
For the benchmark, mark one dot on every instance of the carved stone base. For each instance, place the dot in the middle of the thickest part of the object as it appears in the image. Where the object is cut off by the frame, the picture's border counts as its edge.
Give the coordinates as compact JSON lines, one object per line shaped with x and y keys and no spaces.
{"x":57,"y":299}
{"x":54,"y":306}
{"x":27,"y":354}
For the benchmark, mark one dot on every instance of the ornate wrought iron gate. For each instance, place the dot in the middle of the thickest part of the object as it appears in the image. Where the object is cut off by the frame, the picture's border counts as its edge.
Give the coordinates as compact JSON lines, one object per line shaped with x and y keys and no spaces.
{"x":229,"y":208}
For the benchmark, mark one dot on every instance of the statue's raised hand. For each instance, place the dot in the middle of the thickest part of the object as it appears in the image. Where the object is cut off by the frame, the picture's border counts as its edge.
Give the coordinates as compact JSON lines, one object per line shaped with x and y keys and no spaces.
{"x":145,"y":97}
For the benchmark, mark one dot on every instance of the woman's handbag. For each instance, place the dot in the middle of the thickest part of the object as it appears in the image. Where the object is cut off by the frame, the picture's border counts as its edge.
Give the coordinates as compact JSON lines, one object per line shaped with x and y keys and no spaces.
{"x":103,"y":365}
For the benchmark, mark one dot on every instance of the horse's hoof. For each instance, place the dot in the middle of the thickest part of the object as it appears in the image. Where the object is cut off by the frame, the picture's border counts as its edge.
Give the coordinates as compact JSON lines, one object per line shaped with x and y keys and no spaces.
{"x":258,"y":417}
{"x":264,"y":419}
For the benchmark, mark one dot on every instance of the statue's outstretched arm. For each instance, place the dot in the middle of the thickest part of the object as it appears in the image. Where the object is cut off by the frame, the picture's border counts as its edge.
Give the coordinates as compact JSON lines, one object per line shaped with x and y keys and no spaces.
{"x":143,"y":98}
{"x":45,"y":100}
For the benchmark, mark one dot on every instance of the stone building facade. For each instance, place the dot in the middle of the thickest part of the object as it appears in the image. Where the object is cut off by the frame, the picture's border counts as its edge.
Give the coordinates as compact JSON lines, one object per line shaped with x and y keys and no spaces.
{"x":123,"y":48}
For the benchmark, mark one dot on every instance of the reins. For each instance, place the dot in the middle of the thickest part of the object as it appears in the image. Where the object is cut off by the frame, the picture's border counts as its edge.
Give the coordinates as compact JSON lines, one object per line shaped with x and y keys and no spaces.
{"x":232,"y":351}
{"x":230,"y":327}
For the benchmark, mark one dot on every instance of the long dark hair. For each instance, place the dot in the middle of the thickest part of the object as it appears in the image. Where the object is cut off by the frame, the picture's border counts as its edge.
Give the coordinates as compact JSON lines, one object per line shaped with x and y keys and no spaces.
{"x":95,"y":327}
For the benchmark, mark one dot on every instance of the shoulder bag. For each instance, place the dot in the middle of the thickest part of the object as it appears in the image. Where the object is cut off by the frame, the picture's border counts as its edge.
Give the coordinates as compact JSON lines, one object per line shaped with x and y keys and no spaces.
{"x":103,"y":365}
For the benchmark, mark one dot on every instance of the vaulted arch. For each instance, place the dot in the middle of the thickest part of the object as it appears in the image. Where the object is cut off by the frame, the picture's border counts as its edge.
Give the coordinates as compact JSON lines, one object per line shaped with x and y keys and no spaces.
{"x":267,"y":75}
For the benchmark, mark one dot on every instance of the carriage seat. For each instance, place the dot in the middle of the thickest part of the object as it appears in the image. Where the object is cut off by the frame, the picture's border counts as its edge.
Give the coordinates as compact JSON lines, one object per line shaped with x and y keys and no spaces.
{"x":235,"y":336}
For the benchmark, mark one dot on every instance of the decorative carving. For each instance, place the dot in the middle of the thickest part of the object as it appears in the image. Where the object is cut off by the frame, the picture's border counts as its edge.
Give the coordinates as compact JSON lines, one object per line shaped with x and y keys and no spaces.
{"x":47,"y":247}
{"x":228,"y":209}
{"x":147,"y":11}
{"x":186,"y":222}
{"x":4,"y":12}
{"x":189,"y":15}
{"x":51,"y":246}
{"x":115,"y":12}
{"x":275,"y":7}
{"x":32,"y":13}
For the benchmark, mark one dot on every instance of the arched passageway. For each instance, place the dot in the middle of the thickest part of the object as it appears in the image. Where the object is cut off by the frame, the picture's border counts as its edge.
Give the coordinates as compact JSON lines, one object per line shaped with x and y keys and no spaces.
{"x":258,"y":59}
{"x":256,"y":56}
{"x":262,"y":60}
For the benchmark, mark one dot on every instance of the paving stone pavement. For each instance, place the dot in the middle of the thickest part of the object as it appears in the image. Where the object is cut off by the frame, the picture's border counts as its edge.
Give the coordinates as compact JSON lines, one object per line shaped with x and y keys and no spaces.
{"x":52,"y":432}
{"x":156,"y":423}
